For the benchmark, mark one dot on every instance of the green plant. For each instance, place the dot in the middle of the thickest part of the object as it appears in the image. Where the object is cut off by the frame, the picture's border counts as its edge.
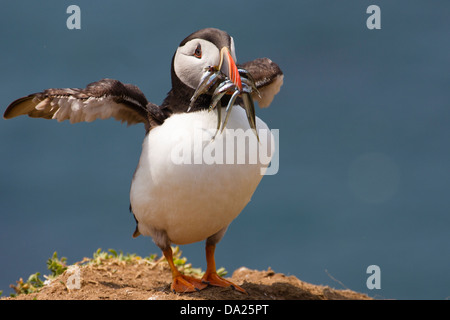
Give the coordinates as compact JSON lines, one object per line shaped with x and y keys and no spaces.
{"x":33,"y":284}
{"x":56,"y":266}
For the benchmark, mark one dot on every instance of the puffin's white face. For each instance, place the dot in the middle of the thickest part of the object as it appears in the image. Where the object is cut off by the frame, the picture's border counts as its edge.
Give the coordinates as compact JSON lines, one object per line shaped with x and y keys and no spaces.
{"x":194,"y":56}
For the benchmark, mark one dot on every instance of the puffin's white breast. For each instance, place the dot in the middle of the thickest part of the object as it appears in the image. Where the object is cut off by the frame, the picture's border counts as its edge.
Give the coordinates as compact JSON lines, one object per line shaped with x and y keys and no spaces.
{"x":190,"y":186}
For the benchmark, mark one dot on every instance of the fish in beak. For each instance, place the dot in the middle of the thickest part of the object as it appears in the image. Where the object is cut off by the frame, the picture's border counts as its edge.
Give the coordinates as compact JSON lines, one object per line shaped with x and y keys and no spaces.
{"x":225,"y":78}
{"x":229,"y":68}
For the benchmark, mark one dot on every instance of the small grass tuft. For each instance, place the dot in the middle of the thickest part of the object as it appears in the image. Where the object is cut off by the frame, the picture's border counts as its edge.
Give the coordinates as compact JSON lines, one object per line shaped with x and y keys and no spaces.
{"x":33,"y":284}
{"x":56,"y":266}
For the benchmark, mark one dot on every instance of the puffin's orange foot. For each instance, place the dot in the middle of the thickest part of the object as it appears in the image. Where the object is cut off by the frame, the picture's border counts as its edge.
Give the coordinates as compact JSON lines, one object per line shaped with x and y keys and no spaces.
{"x":182,"y":283}
{"x":214,"y":279}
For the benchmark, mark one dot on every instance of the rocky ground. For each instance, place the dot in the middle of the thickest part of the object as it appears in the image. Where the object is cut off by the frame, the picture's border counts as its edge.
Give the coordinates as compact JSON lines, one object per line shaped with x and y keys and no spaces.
{"x":135,"y":278}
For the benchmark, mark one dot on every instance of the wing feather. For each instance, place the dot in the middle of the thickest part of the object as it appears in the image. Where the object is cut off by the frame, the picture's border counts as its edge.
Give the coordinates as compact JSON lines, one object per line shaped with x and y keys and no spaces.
{"x":268,"y":79}
{"x":103,"y":99}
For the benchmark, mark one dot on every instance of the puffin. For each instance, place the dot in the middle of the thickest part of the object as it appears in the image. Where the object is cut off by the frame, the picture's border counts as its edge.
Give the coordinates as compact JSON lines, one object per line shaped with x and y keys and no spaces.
{"x":176,"y":196}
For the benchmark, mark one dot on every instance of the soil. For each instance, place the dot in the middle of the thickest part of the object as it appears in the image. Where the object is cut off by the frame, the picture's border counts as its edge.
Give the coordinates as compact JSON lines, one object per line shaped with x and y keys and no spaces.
{"x":143,"y":280}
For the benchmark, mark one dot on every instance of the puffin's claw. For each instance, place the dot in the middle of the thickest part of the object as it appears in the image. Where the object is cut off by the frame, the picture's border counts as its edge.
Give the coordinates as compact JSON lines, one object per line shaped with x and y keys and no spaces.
{"x":183,"y":283}
{"x":214,"y":279}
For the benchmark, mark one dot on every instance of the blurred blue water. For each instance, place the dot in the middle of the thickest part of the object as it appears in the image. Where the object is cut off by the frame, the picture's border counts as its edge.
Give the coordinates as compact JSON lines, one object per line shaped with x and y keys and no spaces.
{"x":364,"y":138}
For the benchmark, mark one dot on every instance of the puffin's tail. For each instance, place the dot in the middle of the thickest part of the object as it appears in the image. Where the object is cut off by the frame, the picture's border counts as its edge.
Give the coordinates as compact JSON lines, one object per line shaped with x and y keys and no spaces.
{"x":136,"y":232}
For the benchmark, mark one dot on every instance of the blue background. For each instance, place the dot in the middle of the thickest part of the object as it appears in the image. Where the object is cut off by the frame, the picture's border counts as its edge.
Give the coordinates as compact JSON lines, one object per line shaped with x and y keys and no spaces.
{"x":363,"y":116}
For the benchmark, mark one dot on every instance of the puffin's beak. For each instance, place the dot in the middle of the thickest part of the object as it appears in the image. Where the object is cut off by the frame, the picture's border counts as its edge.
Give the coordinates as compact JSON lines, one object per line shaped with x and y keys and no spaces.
{"x":228,"y":66}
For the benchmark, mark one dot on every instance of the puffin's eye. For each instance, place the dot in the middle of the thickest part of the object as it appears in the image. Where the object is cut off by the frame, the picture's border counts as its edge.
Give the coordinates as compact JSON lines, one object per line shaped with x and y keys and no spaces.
{"x":198,"y":51}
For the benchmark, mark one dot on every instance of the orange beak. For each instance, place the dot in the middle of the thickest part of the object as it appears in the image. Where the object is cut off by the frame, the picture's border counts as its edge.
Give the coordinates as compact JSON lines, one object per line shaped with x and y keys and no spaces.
{"x":228,"y":66}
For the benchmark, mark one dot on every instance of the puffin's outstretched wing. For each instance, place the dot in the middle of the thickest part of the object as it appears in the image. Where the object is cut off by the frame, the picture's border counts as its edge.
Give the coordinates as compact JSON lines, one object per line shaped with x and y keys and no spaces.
{"x":99,"y":100}
{"x":268,"y":78}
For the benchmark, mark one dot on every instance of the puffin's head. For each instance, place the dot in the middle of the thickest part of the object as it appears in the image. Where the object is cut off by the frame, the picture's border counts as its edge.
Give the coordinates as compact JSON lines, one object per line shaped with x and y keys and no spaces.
{"x":204,"y":48}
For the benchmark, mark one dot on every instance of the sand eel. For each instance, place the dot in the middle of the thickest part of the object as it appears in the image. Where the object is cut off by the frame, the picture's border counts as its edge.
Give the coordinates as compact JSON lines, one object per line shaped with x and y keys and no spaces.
{"x":180,"y":203}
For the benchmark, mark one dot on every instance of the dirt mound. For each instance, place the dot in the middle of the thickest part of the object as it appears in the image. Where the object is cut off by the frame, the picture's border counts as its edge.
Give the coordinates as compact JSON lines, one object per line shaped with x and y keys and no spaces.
{"x":142,"y":279}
